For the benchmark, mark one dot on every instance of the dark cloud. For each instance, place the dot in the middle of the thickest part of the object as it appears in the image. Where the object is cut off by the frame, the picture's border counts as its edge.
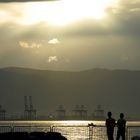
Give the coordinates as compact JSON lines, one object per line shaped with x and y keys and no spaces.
{"x":124,"y":18}
{"x":3,"y":1}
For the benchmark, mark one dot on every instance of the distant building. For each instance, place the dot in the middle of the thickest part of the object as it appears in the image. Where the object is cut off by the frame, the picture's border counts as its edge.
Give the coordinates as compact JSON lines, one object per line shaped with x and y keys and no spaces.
{"x":79,"y":112}
{"x":13,"y":116}
{"x":83,"y":111}
{"x":99,"y":113}
{"x":75,"y":111}
{"x":61,"y":112}
{"x":2,"y":113}
{"x":50,"y":116}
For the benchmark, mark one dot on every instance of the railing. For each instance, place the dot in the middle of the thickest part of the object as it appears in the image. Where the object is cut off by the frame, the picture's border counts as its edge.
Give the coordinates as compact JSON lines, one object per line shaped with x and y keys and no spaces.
{"x":25,"y":128}
{"x":73,"y":132}
{"x":132,"y":131}
{"x":31,"y":128}
{"x":70,"y":132}
{"x":4,"y":128}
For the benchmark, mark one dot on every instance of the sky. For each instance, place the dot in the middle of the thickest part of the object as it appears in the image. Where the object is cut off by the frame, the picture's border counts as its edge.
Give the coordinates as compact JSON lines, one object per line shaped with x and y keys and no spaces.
{"x":70,"y":35}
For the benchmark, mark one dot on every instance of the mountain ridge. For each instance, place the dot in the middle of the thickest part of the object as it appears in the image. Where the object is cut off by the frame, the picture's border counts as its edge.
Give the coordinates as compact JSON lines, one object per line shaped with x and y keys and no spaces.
{"x":116,"y":90}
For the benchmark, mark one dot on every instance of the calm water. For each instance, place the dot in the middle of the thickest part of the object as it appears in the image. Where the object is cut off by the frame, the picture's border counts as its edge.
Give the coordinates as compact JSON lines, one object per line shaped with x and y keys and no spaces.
{"x":73,"y":130}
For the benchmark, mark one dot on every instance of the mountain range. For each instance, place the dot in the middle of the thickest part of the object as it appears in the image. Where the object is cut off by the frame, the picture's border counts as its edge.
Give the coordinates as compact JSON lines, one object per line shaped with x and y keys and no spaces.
{"x":115,"y":90}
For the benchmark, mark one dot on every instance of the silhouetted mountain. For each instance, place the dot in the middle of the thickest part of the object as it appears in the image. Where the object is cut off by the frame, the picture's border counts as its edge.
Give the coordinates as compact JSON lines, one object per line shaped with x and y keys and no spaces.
{"x":115,"y":90}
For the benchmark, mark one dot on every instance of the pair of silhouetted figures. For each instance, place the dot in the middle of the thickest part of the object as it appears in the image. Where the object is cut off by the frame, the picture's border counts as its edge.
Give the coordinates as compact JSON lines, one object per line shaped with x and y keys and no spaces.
{"x":111,"y":123}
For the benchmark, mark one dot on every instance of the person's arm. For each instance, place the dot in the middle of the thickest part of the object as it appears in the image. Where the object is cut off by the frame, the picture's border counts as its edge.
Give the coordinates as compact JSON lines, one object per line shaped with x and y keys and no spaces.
{"x":106,"y":122}
{"x":125,"y":123}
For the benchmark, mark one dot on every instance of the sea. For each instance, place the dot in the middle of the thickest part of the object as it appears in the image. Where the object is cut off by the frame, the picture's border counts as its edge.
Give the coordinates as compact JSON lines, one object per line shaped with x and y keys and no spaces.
{"x":72,"y":129}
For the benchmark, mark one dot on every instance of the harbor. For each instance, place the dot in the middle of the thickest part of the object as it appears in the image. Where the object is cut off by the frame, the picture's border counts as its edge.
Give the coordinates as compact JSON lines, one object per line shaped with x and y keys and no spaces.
{"x":29,"y":112}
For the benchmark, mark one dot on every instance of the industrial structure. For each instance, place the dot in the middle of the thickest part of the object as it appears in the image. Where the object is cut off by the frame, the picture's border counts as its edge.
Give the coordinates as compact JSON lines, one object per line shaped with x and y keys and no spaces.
{"x":2,"y":113}
{"x":99,"y":113}
{"x":29,"y":111}
{"x":61,"y":112}
{"x":80,"y":111}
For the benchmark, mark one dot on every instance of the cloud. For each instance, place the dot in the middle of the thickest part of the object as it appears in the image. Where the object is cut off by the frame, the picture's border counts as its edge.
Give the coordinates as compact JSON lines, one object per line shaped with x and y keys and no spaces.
{"x":67,"y":60}
{"x":54,"y":41}
{"x":112,"y":42}
{"x":27,"y":45}
{"x":122,"y":20}
{"x":24,"y":0}
{"x":52,"y":58}
{"x":126,"y":17}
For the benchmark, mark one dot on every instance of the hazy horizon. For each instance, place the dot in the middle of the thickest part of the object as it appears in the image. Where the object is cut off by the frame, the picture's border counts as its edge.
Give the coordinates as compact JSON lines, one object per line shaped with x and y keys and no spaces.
{"x":114,"y":90}
{"x":86,"y":69}
{"x":71,"y":35}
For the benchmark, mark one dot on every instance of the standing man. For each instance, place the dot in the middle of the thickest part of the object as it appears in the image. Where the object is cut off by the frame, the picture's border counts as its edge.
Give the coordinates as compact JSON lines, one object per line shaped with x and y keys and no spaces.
{"x":121,"y":124}
{"x":110,"y":124}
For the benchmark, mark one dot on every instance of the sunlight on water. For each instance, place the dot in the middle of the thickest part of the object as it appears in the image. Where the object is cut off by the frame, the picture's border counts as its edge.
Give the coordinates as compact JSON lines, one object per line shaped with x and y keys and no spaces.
{"x":72,"y":130}
{"x":51,"y":123}
{"x":69,"y":122}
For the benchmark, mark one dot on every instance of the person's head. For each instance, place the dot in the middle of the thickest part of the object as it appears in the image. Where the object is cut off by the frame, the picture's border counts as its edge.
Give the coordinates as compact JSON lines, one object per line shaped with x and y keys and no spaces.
{"x":121,"y":115}
{"x":109,"y":114}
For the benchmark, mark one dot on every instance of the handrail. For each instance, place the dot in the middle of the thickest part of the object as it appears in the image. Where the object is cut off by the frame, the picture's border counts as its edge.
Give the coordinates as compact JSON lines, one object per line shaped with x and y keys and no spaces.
{"x":92,"y":131}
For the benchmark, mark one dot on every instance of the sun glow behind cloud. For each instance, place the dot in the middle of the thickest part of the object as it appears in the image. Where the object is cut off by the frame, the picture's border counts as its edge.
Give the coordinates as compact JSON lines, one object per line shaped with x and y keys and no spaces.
{"x":110,"y":42}
{"x":54,"y":41}
{"x":63,"y":12}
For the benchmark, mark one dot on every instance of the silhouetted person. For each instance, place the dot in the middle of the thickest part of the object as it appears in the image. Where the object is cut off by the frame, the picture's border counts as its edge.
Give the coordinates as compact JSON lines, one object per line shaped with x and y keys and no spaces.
{"x":121,"y":123}
{"x":110,"y":124}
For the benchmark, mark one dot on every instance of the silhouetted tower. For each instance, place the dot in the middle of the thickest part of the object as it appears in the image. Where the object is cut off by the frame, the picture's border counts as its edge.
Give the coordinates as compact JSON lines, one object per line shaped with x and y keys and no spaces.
{"x":83,"y":111}
{"x":30,"y":101}
{"x":29,"y":112}
{"x":32,"y":111}
{"x":99,"y":112}
{"x":80,"y":111}
{"x":26,"y":110}
{"x":61,"y":112}
{"x":76,"y":111}
{"x":2,"y":113}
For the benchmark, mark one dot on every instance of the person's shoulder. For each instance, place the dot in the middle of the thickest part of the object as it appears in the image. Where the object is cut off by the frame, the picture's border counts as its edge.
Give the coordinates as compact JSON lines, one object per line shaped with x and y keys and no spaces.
{"x":124,"y":120}
{"x":113,"y":119}
{"x":121,"y":121}
{"x":107,"y":119}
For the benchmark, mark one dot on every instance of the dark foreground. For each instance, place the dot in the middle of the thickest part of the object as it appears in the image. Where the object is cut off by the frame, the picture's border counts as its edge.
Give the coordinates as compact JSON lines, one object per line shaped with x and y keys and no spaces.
{"x":32,"y":136}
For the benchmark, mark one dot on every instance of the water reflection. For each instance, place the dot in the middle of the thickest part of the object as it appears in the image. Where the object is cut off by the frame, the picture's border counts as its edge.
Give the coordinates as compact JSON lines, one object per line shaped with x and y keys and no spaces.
{"x":72,"y":130}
